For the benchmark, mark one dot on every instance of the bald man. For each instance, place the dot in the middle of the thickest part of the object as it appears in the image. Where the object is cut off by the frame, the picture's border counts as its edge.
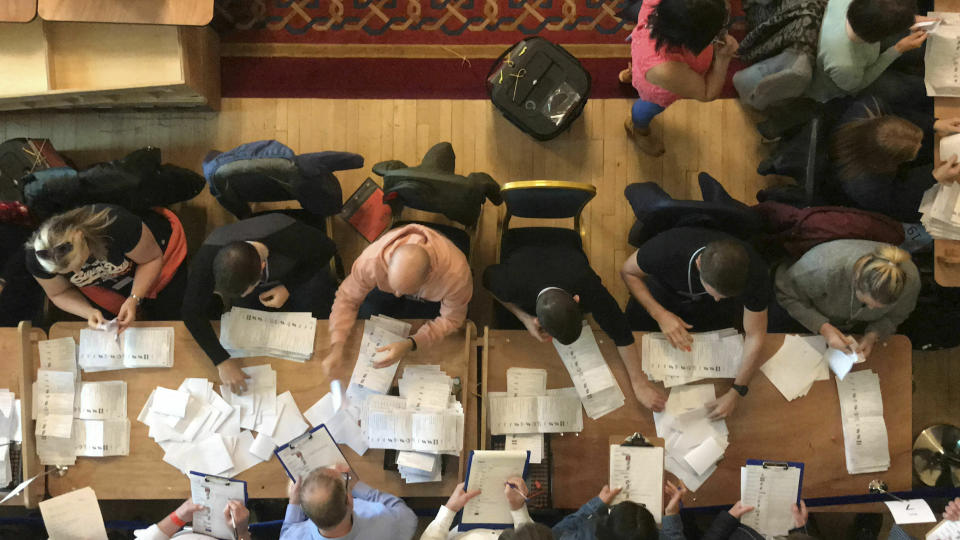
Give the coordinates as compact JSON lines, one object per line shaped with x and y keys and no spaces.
{"x":414,"y":262}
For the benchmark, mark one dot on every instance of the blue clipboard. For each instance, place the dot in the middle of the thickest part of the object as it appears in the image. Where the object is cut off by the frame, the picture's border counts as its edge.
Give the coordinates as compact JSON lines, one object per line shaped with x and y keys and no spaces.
{"x":766,"y":463}
{"x":466,"y":487}
{"x":223,"y":479}
{"x":306,"y":436}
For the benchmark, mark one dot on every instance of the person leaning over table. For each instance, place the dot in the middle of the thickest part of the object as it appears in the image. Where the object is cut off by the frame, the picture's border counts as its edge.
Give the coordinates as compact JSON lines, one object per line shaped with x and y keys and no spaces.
{"x":549,"y":288}
{"x":439,"y":528}
{"x":235,"y":513}
{"x":272,"y":262}
{"x":691,"y":278}
{"x":411,"y":261}
{"x":847,"y":285}
{"x":330,"y":503}
{"x":627,"y":520}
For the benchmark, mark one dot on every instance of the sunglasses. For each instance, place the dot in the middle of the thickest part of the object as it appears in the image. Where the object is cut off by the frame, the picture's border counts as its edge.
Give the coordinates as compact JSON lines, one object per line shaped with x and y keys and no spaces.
{"x":56,"y":252}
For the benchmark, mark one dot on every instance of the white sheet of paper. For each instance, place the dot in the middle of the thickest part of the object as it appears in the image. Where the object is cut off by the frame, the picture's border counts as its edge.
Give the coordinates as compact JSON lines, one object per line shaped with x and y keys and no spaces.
{"x":840,"y":362}
{"x":263,"y":447}
{"x":58,"y":354}
{"x":638,"y":471}
{"x":170,"y":402}
{"x":417,"y":460}
{"x":705,"y":455}
{"x":291,"y":423}
{"x":322,"y":411}
{"x":911,"y":511}
{"x":74,"y":516}
{"x":489,"y":471}
{"x":532,"y":442}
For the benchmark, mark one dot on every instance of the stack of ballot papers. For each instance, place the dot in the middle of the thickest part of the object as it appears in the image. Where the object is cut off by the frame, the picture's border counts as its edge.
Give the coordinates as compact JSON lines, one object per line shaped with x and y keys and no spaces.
{"x":525,"y":382}
{"x":594,"y":382}
{"x":54,"y":393}
{"x":797,"y":365}
{"x":942,"y":56}
{"x":694,"y":443}
{"x":100,"y":425}
{"x":250,"y":332}
{"x":366,"y":380}
{"x":556,"y":411}
{"x":140,"y":347}
{"x":9,"y":432}
{"x":940,"y":207}
{"x":714,"y":355}
{"x":864,"y":430}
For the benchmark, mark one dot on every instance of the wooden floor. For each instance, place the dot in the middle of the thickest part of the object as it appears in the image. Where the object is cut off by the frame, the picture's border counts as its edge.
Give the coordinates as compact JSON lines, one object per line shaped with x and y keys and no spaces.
{"x":715,"y":137}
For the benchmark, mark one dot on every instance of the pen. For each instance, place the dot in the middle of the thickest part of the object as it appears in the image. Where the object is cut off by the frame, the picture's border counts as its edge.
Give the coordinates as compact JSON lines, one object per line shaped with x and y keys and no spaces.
{"x":515,"y":488}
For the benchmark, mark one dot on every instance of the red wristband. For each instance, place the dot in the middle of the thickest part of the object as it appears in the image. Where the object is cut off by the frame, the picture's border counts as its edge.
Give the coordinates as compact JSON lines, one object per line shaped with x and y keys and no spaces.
{"x":176,"y":519}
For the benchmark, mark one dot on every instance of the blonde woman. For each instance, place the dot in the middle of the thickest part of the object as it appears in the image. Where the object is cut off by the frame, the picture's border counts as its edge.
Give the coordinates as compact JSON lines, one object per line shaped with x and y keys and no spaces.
{"x":102,"y":256}
{"x":847,"y":285}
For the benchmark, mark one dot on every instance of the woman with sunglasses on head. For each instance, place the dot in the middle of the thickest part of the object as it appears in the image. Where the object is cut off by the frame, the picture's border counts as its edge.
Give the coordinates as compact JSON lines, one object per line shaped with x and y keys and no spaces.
{"x":679,"y":49}
{"x":99,"y":257}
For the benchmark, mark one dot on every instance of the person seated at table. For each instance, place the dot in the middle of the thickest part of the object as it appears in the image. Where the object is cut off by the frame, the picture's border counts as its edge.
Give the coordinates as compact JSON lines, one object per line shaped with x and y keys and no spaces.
{"x":549,"y":289}
{"x":679,"y":49}
{"x":627,"y":520}
{"x":414,"y":262}
{"x":439,"y":528}
{"x":268,"y":262}
{"x":883,"y":163}
{"x":331,"y":503}
{"x":235,"y":513}
{"x":102,"y":256}
{"x":848,"y":54}
{"x":727,"y":524}
{"x":845,"y":285}
{"x":695,"y":279}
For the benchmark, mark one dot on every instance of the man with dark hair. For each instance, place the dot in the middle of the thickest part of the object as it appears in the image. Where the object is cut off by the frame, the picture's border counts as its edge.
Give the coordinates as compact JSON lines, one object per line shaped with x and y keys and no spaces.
{"x":848,"y":55}
{"x":270,"y":262}
{"x":331,"y":503}
{"x":550,"y":288}
{"x":690,"y":278}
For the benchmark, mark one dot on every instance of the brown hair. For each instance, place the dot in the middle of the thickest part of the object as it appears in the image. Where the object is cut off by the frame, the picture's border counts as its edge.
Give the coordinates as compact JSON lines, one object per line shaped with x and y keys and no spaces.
{"x":84,"y":227}
{"x":528,"y":531}
{"x":725,"y":265}
{"x":876,"y":144}
{"x":323,"y":498}
{"x":236,"y":268}
{"x":880,"y":274}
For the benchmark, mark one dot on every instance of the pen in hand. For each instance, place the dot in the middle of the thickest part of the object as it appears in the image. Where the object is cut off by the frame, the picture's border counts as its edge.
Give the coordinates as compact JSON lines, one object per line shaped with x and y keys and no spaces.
{"x":515,"y":488}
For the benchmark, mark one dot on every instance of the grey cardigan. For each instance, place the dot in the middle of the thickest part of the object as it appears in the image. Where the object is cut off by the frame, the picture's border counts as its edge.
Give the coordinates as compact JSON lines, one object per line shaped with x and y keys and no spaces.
{"x":818,"y":288}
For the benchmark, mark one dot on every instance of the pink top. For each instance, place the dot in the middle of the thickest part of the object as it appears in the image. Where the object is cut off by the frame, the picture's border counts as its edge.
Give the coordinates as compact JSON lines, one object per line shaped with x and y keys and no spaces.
{"x":643,"y":50}
{"x":449,"y":282}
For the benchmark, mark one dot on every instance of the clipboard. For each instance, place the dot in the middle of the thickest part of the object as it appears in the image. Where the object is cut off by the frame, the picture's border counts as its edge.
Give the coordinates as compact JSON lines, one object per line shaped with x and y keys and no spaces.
{"x":209,"y":523}
{"x":783,"y":465}
{"x":290,"y":453}
{"x":466,"y":487}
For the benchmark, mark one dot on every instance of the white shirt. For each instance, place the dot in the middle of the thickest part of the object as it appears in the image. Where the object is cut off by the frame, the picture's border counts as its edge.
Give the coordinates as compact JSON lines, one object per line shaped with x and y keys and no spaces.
{"x":439,"y":528}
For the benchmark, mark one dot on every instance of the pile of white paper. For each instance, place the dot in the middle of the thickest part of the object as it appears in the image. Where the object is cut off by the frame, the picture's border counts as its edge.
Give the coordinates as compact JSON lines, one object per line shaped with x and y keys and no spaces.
{"x":100,"y":426}
{"x":9,"y":432}
{"x":797,"y":365}
{"x":714,"y":355}
{"x":250,"y":332}
{"x":940,"y":207}
{"x":557,"y":411}
{"x":694,"y":443}
{"x":139,"y":347}
{"x":864,"y":431}
{"x":342,"y":423}
{"x":366,"y":379}
{"x":942,"y":56}
{"x":54,"y":393}
{"x":419,"y":467}
{"x":594,"y":382}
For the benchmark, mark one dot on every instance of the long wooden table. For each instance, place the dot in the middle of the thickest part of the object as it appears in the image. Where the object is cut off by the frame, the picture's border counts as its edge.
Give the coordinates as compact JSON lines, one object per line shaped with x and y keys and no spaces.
{"x":18,"y":351}
{"x":763,"y":426}
{"x":144,"y":475}
{"x":178,"y":12}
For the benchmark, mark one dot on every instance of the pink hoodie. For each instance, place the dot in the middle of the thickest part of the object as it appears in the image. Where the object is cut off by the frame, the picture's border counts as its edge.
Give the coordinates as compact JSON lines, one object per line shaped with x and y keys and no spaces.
{"x":449,"y":282}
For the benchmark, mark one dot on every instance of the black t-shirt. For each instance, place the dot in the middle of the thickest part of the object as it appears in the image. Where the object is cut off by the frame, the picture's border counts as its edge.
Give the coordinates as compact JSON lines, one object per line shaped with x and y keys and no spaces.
{"x":528,"y":270}
{"x":669,"y":258}
{"x":115,"y":271}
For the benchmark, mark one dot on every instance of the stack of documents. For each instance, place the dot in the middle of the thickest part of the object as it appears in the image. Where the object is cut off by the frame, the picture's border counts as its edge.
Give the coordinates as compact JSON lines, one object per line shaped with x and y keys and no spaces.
{"x":54,"y":394}
{"x":366,"y":379}
{"x":419,"y":467}
{"x":392,"y":422}
{"x":694,"y":443}
{"x":9,"y":432}
{"x":770,"y":489}
{"x":59,"y":355}
{"x":638,"y":472}
{"x":714,"y":355}
{"x":864,"y":431}
{"x":797,"y":365}
{"x":940,"y":207}
{"x":250,"y":332}
{"x":594,"y":382}
{"x":102,"y":350}
{"x":942,"y":57}
{"x":524,"y":382}
{"x":100,"y":425}
{"x":557,"y":411}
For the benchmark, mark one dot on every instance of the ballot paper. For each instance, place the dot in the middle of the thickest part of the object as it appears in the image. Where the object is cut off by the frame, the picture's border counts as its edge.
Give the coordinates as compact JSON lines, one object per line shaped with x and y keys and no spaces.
{"x":290,"y":423}
{"x":488,"y":471}
{"x":56,"y":450}
{"x":310,"y":451}
{"x":526,"y":442}
{"x":101,"y":400}
{"x":557,"y":412}
{"x":945,"y":530}
{"x":771,"y":490}
{"x":686,"y":428}
{"x":55,"y":392}
{"x":101,"y":438}
{"x":594,"y":382}
{"x":140,"y":347}
{"x":251,"y":332}
{"x":638,"y":472}
{"x":390,"y":423}
{"x":911,"y":511}
{"x":526,"y":382}
{"x":377,"y":380}
{"x":864,"y":430}
{"x":940,"y":207}
{"x":841,"y":362}
{"x":716,"y":354}
{"x":213,"y":493}
{"x":58,"y":354}
{"x":415,"y":475}
{"x":798,"y":363}
{"x":425,"y":387}
{"x":942,"y":57}
{"x":74,"y":516}
{"x":259,"y":400}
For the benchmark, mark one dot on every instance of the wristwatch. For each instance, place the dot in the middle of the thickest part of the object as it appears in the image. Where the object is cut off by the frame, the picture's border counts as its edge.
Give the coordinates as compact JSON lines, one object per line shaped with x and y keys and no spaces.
{"x":741,"y":389}
{"x":137,"y":298}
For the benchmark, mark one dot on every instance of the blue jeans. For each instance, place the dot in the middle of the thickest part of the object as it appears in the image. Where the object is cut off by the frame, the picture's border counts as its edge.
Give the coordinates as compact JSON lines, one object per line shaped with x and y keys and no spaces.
{"x":643,"y":112}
